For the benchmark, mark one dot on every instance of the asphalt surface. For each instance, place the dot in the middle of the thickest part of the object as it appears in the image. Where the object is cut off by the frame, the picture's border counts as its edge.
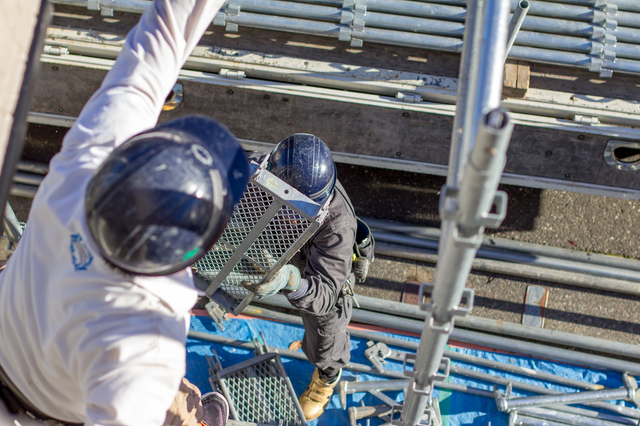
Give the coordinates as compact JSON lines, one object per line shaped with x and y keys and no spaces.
{"x":573,"y":221}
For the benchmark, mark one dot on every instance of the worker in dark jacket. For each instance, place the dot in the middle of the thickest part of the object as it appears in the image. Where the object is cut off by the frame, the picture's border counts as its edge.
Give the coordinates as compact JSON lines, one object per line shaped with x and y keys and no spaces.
{"x":319,"y":279}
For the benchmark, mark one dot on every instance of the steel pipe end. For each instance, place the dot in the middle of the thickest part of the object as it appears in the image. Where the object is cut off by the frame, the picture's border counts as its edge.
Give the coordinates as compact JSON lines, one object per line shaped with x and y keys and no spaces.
{"x":343,"y":393}
{"x":497,"y":119}
{"x":502,"y":404}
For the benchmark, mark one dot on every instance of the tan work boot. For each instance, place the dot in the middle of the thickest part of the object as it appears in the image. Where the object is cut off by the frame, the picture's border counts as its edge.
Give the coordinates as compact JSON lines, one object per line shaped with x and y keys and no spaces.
{"x":317,"y":395}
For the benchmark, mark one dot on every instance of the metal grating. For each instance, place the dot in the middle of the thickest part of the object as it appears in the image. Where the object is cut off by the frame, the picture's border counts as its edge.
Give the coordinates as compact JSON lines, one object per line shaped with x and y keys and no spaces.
{"x":268,"y":225}
{"x":259,"y":391}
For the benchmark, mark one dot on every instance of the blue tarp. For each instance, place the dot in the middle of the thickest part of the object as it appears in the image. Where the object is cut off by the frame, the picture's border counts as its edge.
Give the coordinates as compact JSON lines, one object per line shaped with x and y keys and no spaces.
{"x":457,"y":408}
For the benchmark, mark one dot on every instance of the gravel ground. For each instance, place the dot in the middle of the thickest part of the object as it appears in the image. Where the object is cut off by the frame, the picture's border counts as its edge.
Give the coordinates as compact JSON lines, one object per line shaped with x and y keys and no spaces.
{"x":554,"y":218}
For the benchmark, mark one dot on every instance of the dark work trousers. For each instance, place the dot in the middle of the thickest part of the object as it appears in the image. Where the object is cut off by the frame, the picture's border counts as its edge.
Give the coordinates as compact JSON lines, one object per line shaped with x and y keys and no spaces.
{"x":326,"y":338}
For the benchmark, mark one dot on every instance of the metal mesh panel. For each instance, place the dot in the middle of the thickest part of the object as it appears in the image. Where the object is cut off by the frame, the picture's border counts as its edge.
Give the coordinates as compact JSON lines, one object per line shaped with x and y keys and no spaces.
{"x":268,"y":225}
{"x":259,"y":390}
{"x":278,"y":237}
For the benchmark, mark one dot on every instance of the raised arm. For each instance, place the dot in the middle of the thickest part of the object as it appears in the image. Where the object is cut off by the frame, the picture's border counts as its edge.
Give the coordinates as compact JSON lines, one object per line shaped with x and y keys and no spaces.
{"x":131,"y":96}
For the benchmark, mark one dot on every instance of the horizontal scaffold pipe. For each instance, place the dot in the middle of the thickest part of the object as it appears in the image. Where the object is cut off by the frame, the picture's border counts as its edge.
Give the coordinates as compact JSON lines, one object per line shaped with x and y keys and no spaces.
{"x":564,"y":25}
{"x":624,"y":65}
{"x":628,"y":19}
{"x":534,"y":54}
{"x":628,"y":35}
{"x":626,"y":50}
{"x":509,"y":245}
{"x":281,"y":23}
{"x":554,"y":41}
{"x":626,"y":5}
{"x":414,"y":8}
{"x":579,"y":13}
{"x":487,"y":340}
{"x":422,"y":25}
{"x":425,"y":41}
{"x":406,"y":24}
{"x":229,"y":341}
{"x":132,"y":6}
{"x":506,"y":328}
{"x":534,"y":46}
{"x":518,"y":270}
{"x":520,"y":258}
{"x":289,"y":8}
{"x":327,"y":29}
{"x":378,"y":337}
{"x":223,"y":340}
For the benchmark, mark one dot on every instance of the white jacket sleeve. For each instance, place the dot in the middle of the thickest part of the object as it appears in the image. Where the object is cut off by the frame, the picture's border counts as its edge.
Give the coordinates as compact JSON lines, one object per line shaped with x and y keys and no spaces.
{"x":131,"y":96}
{"x":132,"y":376}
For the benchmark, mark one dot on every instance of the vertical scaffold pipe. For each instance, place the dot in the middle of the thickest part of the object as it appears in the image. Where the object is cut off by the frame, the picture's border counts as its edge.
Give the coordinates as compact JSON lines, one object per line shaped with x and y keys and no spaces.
{"x":460,"y":135}
{"x":11,"y":226}
{"x":516,"y":23}
{"x":456,"y":256}
{"x":482,"y":174}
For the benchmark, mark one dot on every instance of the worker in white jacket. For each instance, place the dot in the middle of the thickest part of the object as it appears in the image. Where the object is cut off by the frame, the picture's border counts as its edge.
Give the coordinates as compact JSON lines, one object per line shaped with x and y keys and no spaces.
{"x":95,"y":301}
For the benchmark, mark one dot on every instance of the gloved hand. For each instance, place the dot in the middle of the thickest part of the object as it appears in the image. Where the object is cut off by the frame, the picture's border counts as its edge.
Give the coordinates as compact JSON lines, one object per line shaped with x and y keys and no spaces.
{"x":287,"y":278}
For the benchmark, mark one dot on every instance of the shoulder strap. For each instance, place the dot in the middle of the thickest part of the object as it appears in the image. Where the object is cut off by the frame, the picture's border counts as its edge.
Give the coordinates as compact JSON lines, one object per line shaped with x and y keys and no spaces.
{"x":347,"y":201}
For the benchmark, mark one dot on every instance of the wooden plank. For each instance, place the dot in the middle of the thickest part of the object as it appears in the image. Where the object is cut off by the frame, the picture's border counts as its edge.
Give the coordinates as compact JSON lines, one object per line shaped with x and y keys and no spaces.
{"x":385,"y":132}
{"x":516,"y":79}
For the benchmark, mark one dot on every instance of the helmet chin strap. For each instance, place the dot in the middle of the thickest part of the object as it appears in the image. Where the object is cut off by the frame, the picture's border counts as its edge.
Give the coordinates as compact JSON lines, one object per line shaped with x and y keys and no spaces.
{"x":325,"y":205}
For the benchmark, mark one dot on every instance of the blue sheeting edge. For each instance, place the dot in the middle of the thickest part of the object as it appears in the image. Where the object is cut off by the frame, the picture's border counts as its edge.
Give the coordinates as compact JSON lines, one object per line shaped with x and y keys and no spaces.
{"x":457,"y":408}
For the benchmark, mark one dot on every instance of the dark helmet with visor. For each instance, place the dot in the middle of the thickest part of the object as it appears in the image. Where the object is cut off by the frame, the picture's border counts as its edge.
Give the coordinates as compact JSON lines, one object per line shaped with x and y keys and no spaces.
{"x":161,"y":200}
{"x":305,"y":162}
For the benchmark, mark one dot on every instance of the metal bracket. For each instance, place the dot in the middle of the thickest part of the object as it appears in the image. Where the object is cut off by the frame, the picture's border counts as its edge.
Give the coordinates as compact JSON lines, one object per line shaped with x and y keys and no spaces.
{"x":216,"y":312}
{"x":426,"y":393}
{"x":493,"y":220}
{"x":220,"y":19}
{"x":409,"y":97}
{"x":175,"y":98}
{"x":55,"y":50}
{"x":431,"y":416}
{"x":260,"y":345}
{"x":214,"y":363}
{"x":232,"y":10}
{"x":232,"y":74}
{"x":353,"y":16}
{"x":473,"y":241}
{"x":448,"y":205}
{"x":445,"y":367}
{"x":360,"y":10}
{"x":426,"y":289}
{"x":586,"y":120}
{"x":501,"y":398}
{"x":96,"y":5}
{"x":376,"y":354}
{"x":632,"y":387}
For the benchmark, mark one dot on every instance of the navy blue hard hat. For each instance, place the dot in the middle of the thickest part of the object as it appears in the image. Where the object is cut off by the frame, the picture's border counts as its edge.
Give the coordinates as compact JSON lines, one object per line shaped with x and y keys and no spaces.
{"x":161,"y":200}
{"x":305,"y":162}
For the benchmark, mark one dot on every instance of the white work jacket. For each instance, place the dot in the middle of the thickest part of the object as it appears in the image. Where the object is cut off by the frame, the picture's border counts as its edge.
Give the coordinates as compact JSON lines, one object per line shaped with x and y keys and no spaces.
{"x":82,"y":341}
